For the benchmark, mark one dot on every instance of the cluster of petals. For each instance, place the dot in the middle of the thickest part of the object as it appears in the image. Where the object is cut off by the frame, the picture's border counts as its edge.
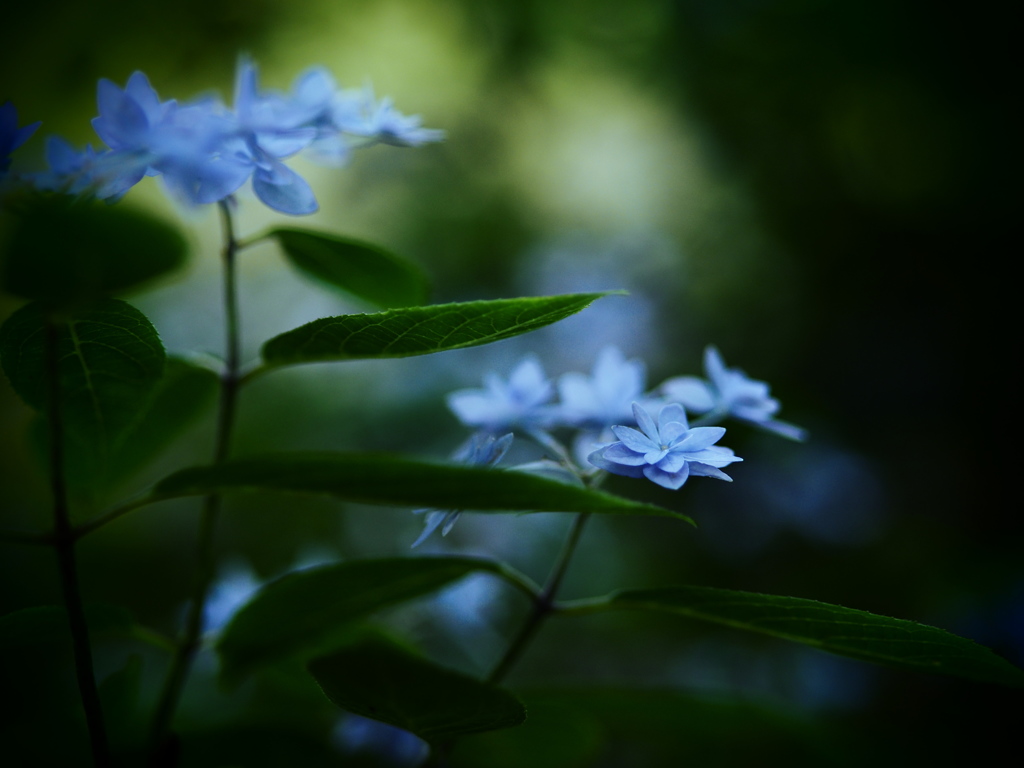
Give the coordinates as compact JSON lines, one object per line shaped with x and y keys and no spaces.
{"x":729,"y":392}
{"x":204,"y":151}
{"x":526,"y":400}
{"x":665,"y":451}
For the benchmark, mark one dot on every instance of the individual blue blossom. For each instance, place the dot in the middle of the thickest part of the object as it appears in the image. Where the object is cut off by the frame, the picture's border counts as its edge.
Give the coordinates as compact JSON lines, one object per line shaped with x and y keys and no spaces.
{"x":11,"y":136}
{"x":522,"y":402}
{"x":729,"y":392}
{"x":381,"y":123}
{"x":605,"y":397}
{"x":481,"y":450}
{"x":666,"y":452}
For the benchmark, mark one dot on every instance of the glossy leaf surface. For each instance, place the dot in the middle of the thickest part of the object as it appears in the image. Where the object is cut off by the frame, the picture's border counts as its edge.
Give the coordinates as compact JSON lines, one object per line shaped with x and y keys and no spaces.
{"x":109,"y":363}
{"x":419,"y":330}
{"x":398,"y":481}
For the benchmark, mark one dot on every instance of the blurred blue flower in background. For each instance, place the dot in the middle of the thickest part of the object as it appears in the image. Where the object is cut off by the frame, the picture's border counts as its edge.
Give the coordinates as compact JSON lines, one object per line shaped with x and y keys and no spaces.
{"x":605,"y":397}
{"x":236,"y":584}
{"x":666,"y":452}
{"x":523,"y":402}
{"x":729,"y":392}
{"x":11,"y":136}
{"x":384,"y":744}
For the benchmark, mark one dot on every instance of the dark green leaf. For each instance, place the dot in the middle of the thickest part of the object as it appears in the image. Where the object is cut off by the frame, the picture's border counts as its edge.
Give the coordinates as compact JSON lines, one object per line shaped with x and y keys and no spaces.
{"x":552,"y":737}
{"x":48,"y":625}
{"x":181,"y":396}
{"x":397,"y":481}
{"x":419,"y":330}
{"x":586,"y":726}
{"x":383,"y":681}
{"x":361,"y":269}
{"x":306,"y":612}
{"x":110,"y":362}
{"x":845,"y":631}
{"x":64,"y":250}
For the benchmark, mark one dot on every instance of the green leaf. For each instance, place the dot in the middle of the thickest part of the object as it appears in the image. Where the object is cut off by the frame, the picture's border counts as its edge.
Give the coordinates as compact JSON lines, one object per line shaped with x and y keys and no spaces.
{"x":419,"y":330}
{"x":369,"y":478}
{"x":845,"y":631}
{"x":361,"y":269}
{"x":110,"y":361}
{"x":306,"y":612}
{"x":181,"y":396}
{"x":552,"y":737}
{"x":381,"y":680}
{"x":64,"y":250}
{"x":179,"y":399}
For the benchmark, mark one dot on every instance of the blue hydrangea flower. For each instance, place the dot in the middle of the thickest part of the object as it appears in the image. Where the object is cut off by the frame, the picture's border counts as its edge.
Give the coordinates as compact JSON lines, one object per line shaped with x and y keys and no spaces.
{"x":481,"y":450}
{"x":666,"y":452}
{"x":605,"y":397}
{"x":520,"y":403}
{"x":729,"y":392}
{"x":11,"y":136}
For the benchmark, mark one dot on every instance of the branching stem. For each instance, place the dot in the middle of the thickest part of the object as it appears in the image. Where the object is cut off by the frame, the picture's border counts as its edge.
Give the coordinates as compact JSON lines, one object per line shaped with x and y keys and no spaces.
{"x":161,"y":746}
{"x":544,"y":604}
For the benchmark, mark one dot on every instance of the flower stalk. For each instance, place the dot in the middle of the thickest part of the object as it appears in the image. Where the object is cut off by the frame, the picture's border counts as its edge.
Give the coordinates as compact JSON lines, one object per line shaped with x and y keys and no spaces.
{"x":161,"y":744}
{"x":543,"y":604}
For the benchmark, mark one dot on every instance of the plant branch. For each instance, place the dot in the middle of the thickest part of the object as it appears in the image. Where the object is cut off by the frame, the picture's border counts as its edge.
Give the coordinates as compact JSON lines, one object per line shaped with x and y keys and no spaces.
{"x":64,"y":545}
{"x":543,"y":604}
{"x":161,"y":745}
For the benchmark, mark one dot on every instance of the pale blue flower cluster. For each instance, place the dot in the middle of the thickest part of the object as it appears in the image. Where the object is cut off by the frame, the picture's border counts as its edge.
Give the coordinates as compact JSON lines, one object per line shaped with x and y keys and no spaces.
{"x":610,"y":417}
{"x":204,"y":152}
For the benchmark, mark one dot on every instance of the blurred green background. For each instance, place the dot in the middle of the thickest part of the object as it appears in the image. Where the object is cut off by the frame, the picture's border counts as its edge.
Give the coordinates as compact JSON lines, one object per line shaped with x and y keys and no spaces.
{"x":822,"y":189}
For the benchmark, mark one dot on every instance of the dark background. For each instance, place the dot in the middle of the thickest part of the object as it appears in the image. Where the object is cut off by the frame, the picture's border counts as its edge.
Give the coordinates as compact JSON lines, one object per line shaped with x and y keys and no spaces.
{"x":822,"y":189}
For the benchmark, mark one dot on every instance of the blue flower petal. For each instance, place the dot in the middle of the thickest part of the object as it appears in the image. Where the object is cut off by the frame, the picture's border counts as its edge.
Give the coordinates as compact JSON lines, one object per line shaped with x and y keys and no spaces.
{"x":284,"y":190}
{"x":671,"y":480}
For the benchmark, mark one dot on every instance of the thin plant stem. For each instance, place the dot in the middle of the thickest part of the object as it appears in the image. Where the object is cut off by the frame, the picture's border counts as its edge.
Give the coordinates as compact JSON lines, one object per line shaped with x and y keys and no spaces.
{"x":161,"y":746}
{"x":64,"y":546}
{"x":544,"y":604}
